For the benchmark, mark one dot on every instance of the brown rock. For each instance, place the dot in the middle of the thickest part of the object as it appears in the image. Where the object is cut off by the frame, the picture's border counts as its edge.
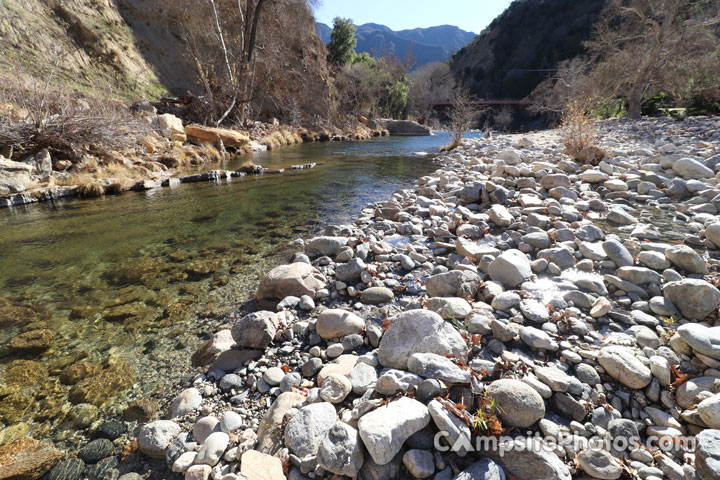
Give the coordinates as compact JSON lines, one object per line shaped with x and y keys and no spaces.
{"x":296,"y":279}
{"x":270,"y":437}
{"x":34,"y":341}
{"x":141,"y":410}
{"x":229,"y":138}
{"x":26,"y":459}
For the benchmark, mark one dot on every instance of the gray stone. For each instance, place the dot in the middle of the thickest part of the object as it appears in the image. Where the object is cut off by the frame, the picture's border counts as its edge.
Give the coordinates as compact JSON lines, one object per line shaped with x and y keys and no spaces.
{"x":350,"y":272}
{"x":340,"y":452}
{"x":709,"y":411}
{"x":335,"y":388}
{"x":686,"y":258}
{"x":456,"y":283}
{"x":511,"y":268}
{"x":362,"y":377}
{"x":519,"y":404}
{"x":599,"y":464}
{"x":296,"y":279}
{"x":385,"y":429}
{"x":14,"y":176}
{"x":485,"y":469}
{"x":696,"y":299}
{"x":431,"y":365}
{"x":622,"y":364}
{"x":335,"y":323}
{"x":376,"y":295}
{"x":587,"y":374}
{"x":692,"y":391}
{"x":561,"y":256}
{"x":420,"y":463}
{"x":255,"y":330}
{"x":689,"y":168}
{"x":534,"y":310}
{"x":530,"y":459}
{"x":204,"y":427}
{"x":96,"y":450}
{"x":187,"y":401}
{"x":154,"y":437}
{"x":392,"y":381}
{"x":230,"y":422}
{"x":419,"y":331}
{"x":618,"y":253}
{"x":212,"y":449}
{"x":707,"y":454}
{"x":457,"y":433}
{"x":70,"y":469}
{"x":330,"y":246}
{"x":306,"y":430}
{"x":701,"y":338}
{"x":537,"y":338}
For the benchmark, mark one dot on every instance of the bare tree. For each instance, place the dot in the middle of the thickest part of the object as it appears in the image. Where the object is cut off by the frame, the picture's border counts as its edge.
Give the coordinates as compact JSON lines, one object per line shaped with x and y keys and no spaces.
{"x":503,"y":119}
{"x":432,"y":84}
{"x":223,"y":39}
{"x":571,"y":81}
{"x":643,"y":47}
{"x":463,"y":115}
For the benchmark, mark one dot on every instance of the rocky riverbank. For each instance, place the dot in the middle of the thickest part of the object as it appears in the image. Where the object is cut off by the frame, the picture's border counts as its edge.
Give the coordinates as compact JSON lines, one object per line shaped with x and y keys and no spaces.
{"x":489,"y":323}
{"x":161,"y":159}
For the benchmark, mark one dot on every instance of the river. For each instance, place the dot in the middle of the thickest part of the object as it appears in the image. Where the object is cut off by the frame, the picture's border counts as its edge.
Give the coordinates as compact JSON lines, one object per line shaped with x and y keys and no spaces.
{"x":103,"y":301}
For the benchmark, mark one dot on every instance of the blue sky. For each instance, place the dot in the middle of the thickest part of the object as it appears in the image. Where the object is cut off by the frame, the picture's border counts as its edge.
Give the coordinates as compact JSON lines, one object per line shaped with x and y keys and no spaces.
{"x":470,"y":15}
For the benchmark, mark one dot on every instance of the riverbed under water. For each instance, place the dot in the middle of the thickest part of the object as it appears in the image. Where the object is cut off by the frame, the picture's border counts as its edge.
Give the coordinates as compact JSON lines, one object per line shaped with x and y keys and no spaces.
{"x":100,"y":300}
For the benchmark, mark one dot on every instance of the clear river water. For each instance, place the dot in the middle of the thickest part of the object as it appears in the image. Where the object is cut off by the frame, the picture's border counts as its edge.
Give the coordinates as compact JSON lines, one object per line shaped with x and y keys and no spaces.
{"x":103,"y":301}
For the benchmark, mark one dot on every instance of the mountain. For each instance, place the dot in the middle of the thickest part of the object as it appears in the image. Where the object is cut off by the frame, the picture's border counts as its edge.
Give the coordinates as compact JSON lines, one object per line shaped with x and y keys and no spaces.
{"x":519,"y":49}
{"x":433,"y":44}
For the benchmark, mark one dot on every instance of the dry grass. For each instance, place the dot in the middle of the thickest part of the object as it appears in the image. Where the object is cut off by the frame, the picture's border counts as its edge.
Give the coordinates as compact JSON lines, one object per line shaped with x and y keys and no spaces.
{"x":579,"y":135}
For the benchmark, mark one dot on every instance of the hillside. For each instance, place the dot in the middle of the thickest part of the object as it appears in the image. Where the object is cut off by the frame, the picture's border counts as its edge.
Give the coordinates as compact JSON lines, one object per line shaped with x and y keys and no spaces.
{"x":520,"y":48}
{"x":136,"y":49}
{"x":427,"y":45}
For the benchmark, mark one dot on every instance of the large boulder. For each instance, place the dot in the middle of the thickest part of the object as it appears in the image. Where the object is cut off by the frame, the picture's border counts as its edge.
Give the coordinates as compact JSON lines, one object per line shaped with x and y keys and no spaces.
{"x":255,"y":330}
{"x":419,"y":331}
{"x":518,"y":404}
{"x":622,"y":364}
{"x":155,"y":437}
{"x":307,"y":429}
{"x":326,"y":245}
{"x":405,"y":128}
{"x":14,"y":176}
{"x":689,"y":169}
{"x":511,"y":268}
{"x":701,"y":338}
{"x":696,"y":299}
{"x":229,"y":138}
{"x":171,"y":127}
{"x":686,"y":258}
{"x":707,"y":454}
{"x":296,"y":279}
{"x":385,"y":430}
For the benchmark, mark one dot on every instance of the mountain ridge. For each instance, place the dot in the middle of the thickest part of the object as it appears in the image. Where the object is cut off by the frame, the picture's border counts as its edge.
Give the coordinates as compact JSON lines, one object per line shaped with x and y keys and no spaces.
{"x":427,"y":45}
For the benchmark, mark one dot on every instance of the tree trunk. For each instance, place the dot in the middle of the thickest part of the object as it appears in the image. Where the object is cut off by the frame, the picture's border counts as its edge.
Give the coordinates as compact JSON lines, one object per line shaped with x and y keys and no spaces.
{"x":635,"y":103}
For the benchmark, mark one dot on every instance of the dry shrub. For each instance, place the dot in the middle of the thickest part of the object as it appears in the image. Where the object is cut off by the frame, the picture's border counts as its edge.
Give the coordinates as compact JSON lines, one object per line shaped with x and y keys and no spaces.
{"x":91,"y":189}
{"x":67,"y":123}
{"x":209,"y":152}
{"x":579,"y":135}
